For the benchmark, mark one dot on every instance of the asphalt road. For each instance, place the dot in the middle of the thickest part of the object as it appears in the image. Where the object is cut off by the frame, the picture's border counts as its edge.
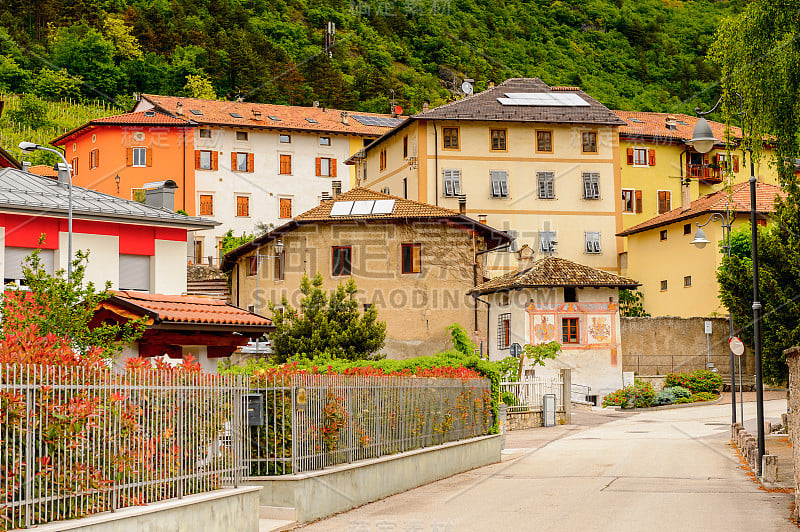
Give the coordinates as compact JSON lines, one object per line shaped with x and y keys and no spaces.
{"x":658,"y":470}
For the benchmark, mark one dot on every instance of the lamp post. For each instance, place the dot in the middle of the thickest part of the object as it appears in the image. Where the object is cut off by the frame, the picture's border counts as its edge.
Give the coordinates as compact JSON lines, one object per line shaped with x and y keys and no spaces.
{"x":29,"y":147}
{"x":278,"y":255}
{"x":703,"y":140}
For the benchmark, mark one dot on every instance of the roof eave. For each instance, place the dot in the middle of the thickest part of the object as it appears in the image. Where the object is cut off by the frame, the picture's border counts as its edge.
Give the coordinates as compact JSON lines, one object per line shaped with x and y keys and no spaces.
{"x":479,"y":291}
{"x":109,"y":217}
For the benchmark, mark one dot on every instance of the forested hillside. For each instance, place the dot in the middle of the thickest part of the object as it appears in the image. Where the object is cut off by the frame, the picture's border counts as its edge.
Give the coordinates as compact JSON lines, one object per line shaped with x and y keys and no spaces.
{"x":630,"y":54}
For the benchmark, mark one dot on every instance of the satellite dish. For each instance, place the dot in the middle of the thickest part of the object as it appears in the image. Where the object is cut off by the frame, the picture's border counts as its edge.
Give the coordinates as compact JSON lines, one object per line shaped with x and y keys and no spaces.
{"x":466,"y":88}
{"x":398,"y":110}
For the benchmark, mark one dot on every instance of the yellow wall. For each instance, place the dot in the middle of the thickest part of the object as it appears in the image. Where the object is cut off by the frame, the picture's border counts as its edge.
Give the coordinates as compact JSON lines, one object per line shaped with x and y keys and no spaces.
{"x":569,"y":215}
{"x":651,"y":260}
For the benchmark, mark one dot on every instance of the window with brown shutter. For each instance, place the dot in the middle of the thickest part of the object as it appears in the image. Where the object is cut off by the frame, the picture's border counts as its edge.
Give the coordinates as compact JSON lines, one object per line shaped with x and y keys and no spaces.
{"x":251,"y":162}
{"x":204,"y":160}
{"x":497,"y":139}
{"x":735,"y":163}
{"x":285,"y":164}
{"x":638,"y":201}
{"x":94,"y":158}
{"x":664,"y":201}
{"x":279,"y":266}
{"x":333,"y":168}
{"x":242,"y":205}
{"x":383,"y":160}
{"x":589,"y":141}
{"x":252,"y":264}
{"x":148,"y":156}
{"x":651,"y":157}
{"x":341,"y":260}
{"x":450,"y":138}
{"x":411,"y":257}
{"x":206,"y":205}
{"x":405,"y":147}
{"x":628,"y":200}
{"x":630,"y":156}
{"x":74,"y":166}
{"x":544,"y":141}
{"x":569,"y":331}
{"x":285,"y":207}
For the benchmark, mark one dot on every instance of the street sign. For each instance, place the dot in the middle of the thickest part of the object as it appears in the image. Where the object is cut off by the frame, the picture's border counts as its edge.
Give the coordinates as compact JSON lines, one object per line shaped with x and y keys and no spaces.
{"x":736,"y":345}
{"x":707,"y":325}
{"x":516,"y":349}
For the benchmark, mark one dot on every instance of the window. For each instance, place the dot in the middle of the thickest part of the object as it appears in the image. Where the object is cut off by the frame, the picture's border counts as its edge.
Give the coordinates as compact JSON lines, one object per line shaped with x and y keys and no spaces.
{"x":662,"y":235}
{"x":134,"y":272}
{"x":640,"y":156}
{"x":452,"y":183}
{"x":285,"y":139}
{"x":15,"y":259}
{"x":664,"y":201}
{"x":94,"y":158}
{"x":592,"y":242}
{"x":326,"y":167}
{"x":205,"y":160}
{"x":405,"y":147}
{"x":279,"y":265}
{"x":242,"y":205}
{"x":589,"y":141}
{"x":198,"y":250}
{"x":628,"y":200}
{"x":687,"y":229}
{"x":591,"y":185}
{"x":252,"y":264}
{"x":663,"y":285}
{"x":499,"y":183}
{"x":241,"y":135}
{"x":336,"y":188}
{"x":546,"y":185}
{"x":687,"y":281}
{"x":242,"y":162}
{"x":138,"y":157}
{"x":450,"y":138}
{"x":547,"y":241}
{"x":569,"y":330}
{"x":570,"y":294}
{"x":498,"y":139}
{"x":74,"y":163}
{"x":341,"y":260}
{"x":411,"y":255}
{"x":285,"y":164}
{"x":383,"y":160}
{"x":504,"y":331}
{"x":206,"y":205}
{"x":544,"y":141}
{"x":285,"y":207}
{"x":324,"y":141}
{"x":205,"y":133}
{"x":512,"y":246}
{"x":405,"y":187}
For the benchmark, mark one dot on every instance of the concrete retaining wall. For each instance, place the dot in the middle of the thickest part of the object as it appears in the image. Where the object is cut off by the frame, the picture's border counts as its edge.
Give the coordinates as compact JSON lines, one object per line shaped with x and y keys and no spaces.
{"x":318,"y":494}
{"x":215,"y":511}
{"x":793,"y":361}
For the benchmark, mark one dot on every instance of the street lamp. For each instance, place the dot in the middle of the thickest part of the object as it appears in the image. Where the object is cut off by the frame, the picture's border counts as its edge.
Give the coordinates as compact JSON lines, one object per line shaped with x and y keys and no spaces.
{"x":278,"y":255}
{"x":703,"y":139}
{"x":28,"y":147}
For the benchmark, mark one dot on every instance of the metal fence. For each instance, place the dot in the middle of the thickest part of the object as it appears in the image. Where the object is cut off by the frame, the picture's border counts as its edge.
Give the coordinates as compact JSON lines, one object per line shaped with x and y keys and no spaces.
{"x":315,"y":421}
{"x":580,"y":393}
{"x":527,"y":394}
{"x":76,"y":442}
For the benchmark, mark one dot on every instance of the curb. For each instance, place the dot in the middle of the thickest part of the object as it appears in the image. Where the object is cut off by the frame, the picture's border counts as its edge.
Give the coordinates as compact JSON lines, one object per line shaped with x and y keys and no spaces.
{"x":665,"y":407}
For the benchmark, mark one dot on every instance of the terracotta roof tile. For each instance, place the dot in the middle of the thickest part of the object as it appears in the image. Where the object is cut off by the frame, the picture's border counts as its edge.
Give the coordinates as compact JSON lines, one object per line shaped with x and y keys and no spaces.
{"x":485,"y":106}
{"x":555,"y":271}
{"x":139,"y":118}
{"x":403,"y":208}
{"x":291,"y":117}
{"x":188,"y":309}
{"x":716,"y":202}
{"x":654,"y":125}
{"x":43,"y":170}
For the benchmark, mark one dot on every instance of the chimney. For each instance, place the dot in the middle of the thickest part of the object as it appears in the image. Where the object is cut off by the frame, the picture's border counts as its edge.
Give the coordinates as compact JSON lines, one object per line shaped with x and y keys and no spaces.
{"x":671,"y":122}
{"x":179,"y":109}
{"x":491,"y":84}
{"x":160,"y":194}
{"x":525,"y":257}
{"x":482,"y":218}
{"x":26,"y":166}
{"x":316,"y":103}
{"x":462,"y":204}
{"x":686,"y":199}
{"x":345,"y":118}
{"x":63,"y":173}
{"x":425,"y":106}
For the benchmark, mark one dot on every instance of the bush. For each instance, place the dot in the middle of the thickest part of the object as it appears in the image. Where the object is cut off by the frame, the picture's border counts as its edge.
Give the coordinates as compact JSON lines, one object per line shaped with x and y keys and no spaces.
{"x":680,"y":392}
{"x":642,"y":393}
{"x":677,"y":379}
{"x":670,"y":395}
{"x":509,"y":399}
{"x":701,"y":380}
{"x":703,"y":396}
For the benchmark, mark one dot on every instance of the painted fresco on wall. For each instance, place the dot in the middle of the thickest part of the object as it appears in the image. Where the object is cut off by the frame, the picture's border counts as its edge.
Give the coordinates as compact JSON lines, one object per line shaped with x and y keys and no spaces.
{"x":597,"y":326}
{"x":599,"y":329}
{"x":544,"y":329}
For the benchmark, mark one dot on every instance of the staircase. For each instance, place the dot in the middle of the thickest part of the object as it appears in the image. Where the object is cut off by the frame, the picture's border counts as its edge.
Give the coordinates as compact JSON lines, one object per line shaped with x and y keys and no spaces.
{"x":216,"y":288}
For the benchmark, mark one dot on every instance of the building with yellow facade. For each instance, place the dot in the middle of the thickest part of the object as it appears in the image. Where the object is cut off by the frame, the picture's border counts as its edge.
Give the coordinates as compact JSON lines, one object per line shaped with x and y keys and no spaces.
{"x":540,"y":162}
{"x":678,"y":279}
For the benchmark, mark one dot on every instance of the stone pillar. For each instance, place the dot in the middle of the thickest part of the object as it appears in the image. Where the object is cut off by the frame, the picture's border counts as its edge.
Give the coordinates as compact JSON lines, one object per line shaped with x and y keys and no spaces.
{"x":793,"y":361}
{"x":769,"y":468}
{"x":566,"y":378}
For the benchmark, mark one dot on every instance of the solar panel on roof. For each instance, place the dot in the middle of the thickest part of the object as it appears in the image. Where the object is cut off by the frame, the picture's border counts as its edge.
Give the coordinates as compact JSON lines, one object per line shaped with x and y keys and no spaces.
{"x":275,"y":118}
{"x":195,"y":112}
{"x":543,"y":99}
{"x":362,"y":207}
{"x":636,"y":121}
{"x":341,"y":208}
{"x":311,"y":121}
{"x":383,"y":206}
{"x":381,"y":121}
{"x":235,"y":115}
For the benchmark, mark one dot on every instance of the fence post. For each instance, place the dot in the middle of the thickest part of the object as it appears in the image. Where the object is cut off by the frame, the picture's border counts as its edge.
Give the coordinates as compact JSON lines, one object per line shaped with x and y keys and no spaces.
{"x":566,"y":393}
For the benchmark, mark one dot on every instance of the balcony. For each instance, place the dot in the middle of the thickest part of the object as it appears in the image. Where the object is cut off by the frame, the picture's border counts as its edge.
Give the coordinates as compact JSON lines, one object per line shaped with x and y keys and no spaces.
{"x":704,"y":173}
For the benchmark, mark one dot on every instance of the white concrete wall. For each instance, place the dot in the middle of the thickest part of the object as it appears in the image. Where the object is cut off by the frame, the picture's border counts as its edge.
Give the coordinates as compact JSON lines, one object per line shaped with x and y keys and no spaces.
{"x":265,"y":185}
{"x":103,"y":262}
{"x":168,"y":268}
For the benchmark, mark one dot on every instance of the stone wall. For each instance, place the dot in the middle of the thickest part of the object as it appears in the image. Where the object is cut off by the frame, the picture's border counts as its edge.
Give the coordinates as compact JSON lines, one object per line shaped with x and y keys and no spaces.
{"x":660,"y":345}
{"x":793,"y":361}
{"x":523,"y":420}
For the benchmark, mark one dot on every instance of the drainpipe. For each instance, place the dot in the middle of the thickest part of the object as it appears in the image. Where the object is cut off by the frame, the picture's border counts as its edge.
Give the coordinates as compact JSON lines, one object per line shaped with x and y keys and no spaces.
{"x":436,"y":164}
{"x":184,"y":169}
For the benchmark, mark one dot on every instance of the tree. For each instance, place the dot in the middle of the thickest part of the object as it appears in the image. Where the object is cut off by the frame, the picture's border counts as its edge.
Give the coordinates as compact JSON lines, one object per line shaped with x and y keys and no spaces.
{"x":31,"y":111}
{"x":198,"y":86}
{"x":56,"y":84}
{"x":758,"y":53}
{"x":63,"y":308}
{"x":118,"y":33}
{"x":630,"y":304}
{"x":230,"y":242}
{"x":326,"y":327}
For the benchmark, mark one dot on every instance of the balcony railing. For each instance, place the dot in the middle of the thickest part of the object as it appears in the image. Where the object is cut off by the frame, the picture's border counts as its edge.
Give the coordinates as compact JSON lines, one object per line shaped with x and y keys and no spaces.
{"x":704,"y":172}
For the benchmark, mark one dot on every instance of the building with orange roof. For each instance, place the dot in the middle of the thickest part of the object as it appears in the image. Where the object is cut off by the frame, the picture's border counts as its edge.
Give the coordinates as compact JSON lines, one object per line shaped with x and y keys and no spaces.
{"x":677,"y":278}
{"x":413,"y":261}
{"x":243,"y":164}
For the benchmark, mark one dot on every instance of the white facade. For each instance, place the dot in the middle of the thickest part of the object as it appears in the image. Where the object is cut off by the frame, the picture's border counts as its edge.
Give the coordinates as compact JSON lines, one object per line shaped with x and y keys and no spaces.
{"x":536,"y":316}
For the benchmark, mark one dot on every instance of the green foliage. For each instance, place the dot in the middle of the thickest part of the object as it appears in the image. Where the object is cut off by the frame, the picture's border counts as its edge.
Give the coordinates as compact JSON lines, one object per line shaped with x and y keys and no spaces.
{"x":56,"y":84}
{"x":509,"y":399}
{"x":670,"y":395}
{"x":31,"y":112}
{"x":631,"y":304}
{"x":677,"y":379}
{"x":199,"y":87}
{"x":509,"y":369}
{"x":703,"y":396}
{"x":461,"y":340}
{"x":641,"y":394}
{"x":65,"y":307}
{"x":539,"y":354}
{"x":230,"y":242}
{"x":326,"y":327}
{"x":701,"y":380}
